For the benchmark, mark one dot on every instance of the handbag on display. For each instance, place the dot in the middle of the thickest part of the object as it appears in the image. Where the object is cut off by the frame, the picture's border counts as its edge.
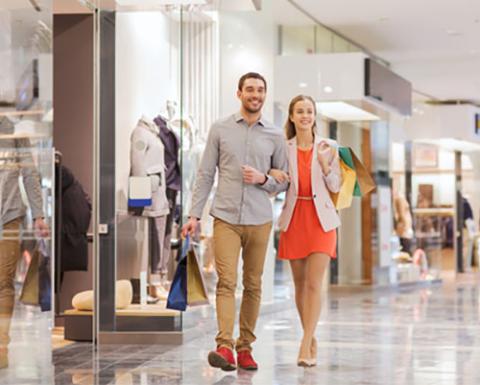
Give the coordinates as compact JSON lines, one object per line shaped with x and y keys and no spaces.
{"x":37,"y":287}
{"x":139,"y":193}
{"x":356,"y":180}
{"x":188,"y":285}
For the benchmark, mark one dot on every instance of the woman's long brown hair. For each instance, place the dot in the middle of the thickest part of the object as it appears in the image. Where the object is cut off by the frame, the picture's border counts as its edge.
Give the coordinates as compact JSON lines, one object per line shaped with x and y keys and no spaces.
{"x":290,"y":129}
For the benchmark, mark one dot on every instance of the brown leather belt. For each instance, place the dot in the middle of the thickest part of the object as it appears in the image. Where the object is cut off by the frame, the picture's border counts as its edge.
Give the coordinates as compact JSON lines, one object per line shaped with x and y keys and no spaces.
{"x":305,"y":198}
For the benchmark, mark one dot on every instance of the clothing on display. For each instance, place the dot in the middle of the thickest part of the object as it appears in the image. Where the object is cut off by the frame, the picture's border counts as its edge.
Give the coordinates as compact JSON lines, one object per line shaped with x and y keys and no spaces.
{"x":76,"y":211}
{"x":171,"y":144}
{"x":147,"y":156}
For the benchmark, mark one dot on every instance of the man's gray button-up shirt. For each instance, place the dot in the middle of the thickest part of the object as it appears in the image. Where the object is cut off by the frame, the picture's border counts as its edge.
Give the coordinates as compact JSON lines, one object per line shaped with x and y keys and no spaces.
{"x":231,"y":144}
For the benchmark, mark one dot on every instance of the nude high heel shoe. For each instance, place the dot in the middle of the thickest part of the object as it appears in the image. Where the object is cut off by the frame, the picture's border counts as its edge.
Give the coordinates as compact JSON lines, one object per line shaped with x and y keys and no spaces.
{"x":306,"y":362}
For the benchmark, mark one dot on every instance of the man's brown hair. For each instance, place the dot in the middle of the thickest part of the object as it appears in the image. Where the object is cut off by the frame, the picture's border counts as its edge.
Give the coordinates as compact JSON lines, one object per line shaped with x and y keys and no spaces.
{"x":251,"y":75}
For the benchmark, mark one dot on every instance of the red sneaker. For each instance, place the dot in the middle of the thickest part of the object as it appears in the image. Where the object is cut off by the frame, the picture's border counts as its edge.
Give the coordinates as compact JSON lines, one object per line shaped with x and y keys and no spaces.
{"x":246,"y":361}
{"x":222,"y":358}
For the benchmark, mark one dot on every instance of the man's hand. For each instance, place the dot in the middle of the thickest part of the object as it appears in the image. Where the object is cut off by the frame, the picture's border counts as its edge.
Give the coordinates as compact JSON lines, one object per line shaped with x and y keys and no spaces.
{"x":190,"y":227}
{"x":253,"y":176}
{"x":41,"y":228}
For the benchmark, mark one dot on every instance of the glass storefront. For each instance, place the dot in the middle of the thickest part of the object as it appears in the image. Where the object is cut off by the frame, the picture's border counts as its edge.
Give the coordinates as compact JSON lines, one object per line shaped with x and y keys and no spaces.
{"x":27,"y":186}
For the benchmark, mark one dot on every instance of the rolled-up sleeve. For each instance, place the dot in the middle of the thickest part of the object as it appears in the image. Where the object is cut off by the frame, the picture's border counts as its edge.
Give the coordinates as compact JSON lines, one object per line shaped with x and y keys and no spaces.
{"x":279,"y":162}
{"x":206,"y":173}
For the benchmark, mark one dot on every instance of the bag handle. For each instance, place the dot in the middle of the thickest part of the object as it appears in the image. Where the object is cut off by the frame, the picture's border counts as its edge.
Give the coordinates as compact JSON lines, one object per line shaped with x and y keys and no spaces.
{"x":185,"y":248}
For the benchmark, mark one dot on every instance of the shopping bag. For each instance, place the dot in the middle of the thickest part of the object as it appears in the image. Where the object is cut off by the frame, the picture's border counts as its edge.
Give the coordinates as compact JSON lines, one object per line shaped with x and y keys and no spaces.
{"x":196,"y":289}
{"x":36,"y":289}
{"x":365,"y":182}
{"x":30,"y":294}
{"x":177,"y":296}
{"x":343,"y":198}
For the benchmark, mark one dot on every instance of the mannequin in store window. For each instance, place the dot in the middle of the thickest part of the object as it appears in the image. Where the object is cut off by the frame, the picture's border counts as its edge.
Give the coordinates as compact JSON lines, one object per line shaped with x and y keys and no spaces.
{"x":15,"y":161}
{"x":147,"y":158}
{"x":173,"y":178}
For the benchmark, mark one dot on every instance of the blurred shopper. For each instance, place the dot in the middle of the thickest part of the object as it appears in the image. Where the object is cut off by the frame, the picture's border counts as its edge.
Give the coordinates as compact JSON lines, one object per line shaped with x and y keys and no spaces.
{"x":243,"y":147}
{"x":15,"y":161}
{"x":403,"y":221}
{"x":309,"y":219}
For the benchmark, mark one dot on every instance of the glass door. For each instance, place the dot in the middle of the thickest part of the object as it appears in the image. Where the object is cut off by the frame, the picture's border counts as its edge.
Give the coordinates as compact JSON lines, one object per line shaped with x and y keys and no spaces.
{"x":26,"y":193}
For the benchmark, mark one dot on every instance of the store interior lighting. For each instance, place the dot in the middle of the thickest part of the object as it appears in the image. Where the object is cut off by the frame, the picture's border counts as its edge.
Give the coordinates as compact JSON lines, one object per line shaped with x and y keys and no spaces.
{"x":452,"y":144}
{"x":344,"y":112}
{"x":150,"y":3}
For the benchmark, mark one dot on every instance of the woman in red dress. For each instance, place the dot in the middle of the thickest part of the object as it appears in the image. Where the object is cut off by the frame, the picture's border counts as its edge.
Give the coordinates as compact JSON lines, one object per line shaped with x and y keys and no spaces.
{"x":309,"y":219}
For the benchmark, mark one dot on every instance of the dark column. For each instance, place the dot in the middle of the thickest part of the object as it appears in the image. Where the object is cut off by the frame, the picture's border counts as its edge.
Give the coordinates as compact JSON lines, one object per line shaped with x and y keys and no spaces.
{"x":458,"y":236}
{"x":332,"y":133}
{"x":106,"y":177}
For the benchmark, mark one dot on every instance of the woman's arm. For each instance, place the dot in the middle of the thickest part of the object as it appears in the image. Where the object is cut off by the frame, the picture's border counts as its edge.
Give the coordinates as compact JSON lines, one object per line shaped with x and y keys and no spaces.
{"x":330,"y":164}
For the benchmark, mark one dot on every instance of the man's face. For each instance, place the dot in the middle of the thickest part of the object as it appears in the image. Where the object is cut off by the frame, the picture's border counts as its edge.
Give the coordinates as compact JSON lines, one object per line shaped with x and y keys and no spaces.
{"x":252,"y":95}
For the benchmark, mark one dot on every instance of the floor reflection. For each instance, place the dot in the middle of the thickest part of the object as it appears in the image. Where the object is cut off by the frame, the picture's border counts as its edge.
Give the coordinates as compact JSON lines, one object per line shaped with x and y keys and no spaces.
{"x":424,"y":336}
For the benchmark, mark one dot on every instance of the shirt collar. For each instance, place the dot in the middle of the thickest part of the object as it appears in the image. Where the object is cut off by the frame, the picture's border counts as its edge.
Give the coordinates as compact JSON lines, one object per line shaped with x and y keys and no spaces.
{"x":239,"y":118}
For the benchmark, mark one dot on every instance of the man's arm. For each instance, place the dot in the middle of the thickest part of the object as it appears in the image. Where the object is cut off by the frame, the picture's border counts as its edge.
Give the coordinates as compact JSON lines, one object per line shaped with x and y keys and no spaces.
{"x":205,"y":174}
{"x":279,"y":162}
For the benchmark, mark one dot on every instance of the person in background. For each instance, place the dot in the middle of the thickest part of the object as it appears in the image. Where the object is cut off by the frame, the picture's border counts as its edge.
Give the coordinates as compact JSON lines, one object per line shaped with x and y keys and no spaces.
{"x":309,"y":219}
{"x":15,"y":161}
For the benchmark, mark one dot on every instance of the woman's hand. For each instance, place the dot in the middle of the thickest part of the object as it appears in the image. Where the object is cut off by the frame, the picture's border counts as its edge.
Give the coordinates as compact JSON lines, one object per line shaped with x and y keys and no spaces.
{"x":279,"y":175}
{"x":325,"y":155}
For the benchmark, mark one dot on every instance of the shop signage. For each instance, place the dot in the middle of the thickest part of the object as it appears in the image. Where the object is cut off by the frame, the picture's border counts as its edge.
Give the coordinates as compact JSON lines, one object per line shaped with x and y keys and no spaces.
{"x":388,"y":88}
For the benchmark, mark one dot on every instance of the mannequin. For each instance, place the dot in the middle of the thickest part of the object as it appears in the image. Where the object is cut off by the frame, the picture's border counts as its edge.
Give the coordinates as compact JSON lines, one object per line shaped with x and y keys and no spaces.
{"x":171,"y":144}
{"x":147,"y":156}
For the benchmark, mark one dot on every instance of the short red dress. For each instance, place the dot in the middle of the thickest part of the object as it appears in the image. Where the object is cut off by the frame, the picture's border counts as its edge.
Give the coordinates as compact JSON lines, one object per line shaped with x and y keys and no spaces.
{"x":305,"y":234}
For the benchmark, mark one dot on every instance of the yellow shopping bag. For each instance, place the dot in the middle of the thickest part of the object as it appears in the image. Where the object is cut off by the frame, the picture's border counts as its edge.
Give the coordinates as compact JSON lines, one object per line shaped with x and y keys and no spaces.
{"x":344,"y":197}
{"x":196,"y":290}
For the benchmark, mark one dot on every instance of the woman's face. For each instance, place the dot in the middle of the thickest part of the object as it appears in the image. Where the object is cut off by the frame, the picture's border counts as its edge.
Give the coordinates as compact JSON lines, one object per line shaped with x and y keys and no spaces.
{"x":303,"y":115}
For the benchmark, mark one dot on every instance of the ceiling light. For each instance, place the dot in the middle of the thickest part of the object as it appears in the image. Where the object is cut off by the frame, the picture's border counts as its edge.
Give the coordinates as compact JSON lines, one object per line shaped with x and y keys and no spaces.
{"x":452,"y":144}
{"x":327,"y":89}
{"x":147,"y":3}
{"x":303,"y":85}
{"x":344,"y":112}
{"x":453,"y":32}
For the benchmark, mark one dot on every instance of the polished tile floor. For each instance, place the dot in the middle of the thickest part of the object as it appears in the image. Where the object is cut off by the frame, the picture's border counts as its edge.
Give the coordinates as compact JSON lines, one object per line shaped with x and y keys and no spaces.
{"x":428,"y":336}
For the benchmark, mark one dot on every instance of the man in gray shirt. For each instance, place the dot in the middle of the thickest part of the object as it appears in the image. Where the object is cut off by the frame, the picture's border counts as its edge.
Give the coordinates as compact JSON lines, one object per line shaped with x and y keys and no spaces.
{"x":243,"y":147}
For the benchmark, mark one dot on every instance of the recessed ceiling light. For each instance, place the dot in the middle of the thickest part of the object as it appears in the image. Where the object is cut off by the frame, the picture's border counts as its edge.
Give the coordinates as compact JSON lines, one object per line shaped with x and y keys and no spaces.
{"x":344,"y":112}
{"x":303,"y":85}
{"x":327,"y":89}
{"x":453,"y":32}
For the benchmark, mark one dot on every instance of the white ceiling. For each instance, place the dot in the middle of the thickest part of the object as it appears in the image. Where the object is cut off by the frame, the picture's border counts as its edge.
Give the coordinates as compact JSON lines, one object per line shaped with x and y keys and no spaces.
{"x":433,"y":43}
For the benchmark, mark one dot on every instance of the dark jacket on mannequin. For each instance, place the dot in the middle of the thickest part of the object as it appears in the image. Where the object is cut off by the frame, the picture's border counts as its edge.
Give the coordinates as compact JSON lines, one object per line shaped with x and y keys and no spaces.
{"x":172,"y":146}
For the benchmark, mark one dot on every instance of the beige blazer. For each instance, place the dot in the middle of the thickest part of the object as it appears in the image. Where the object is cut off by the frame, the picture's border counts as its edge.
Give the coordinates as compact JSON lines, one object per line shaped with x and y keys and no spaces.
{"x":321,"y":184}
